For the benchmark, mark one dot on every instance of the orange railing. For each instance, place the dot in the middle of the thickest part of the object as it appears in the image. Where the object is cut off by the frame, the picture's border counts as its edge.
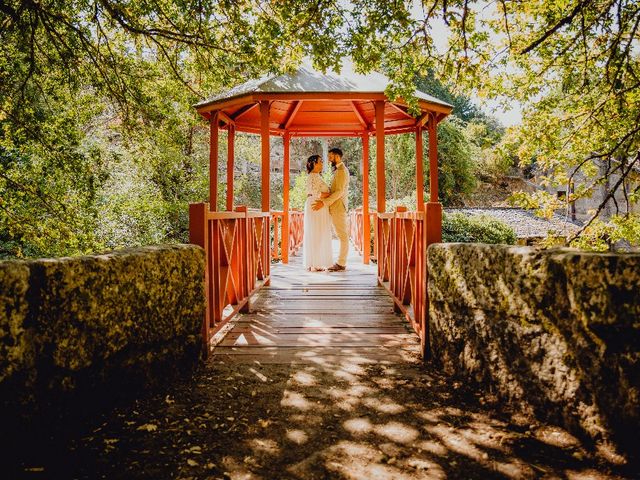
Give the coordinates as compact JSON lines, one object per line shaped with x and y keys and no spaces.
{"x":402,"y":238}
{"x":236,"y":245}
{"x":357,"y":231}
{"x":296,"y":232}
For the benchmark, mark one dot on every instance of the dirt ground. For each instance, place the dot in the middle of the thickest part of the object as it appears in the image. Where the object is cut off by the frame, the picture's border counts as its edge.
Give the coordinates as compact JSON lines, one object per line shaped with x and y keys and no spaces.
{"x":317,"y":421}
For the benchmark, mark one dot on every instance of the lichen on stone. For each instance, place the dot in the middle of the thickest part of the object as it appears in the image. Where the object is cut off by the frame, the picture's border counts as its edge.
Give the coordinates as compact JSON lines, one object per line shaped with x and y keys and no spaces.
{"x":558,"y":330}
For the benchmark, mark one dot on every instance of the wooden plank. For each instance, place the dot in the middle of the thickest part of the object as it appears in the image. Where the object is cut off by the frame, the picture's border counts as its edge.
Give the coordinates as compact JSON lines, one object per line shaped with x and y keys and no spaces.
{"x":337,"y":334}
{"x":344,"y":302}
{"x":321,"y":359}
{"x":318,"y":340}
{"x":299,"y":351}
{"x":297,"y":330}
{"x":317,"y":356}
{"x":335,"y":318}
{"x":358,"y":290}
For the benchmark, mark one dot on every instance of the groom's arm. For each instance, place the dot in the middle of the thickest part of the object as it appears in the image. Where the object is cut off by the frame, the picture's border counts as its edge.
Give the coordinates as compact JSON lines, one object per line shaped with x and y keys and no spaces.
{"x":340,"y":184}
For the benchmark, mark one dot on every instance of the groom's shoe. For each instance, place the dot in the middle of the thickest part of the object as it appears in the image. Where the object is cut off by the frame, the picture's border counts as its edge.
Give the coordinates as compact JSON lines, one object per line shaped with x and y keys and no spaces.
{"x":336,"y":268}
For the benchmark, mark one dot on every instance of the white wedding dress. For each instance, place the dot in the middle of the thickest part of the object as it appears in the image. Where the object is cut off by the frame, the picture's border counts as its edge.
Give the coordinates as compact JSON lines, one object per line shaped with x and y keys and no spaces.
{"x":316,"y":245}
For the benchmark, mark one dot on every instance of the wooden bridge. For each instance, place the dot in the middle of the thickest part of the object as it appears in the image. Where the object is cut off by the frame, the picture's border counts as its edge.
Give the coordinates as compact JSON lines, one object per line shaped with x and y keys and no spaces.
{"x":319,"y":317}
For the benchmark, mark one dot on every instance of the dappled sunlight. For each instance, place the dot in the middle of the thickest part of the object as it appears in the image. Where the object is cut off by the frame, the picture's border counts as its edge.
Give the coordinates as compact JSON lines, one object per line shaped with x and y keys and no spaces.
{"x":322,"y":395}
{"x":556,"y":437}
{"x":264,"y":445}
{"x":297,"y":436}
{"x":383,"y":405}
{"x":433,"y":447}
{"x":397,"y":432}
{"x":304,"y":422}
{"x":514,"y":469}
{"x":296,"y":400}
{"x":304,"y":378}
{"x":358,"y":426}
{"x":454,"y":441}
{"x":351,"y":460}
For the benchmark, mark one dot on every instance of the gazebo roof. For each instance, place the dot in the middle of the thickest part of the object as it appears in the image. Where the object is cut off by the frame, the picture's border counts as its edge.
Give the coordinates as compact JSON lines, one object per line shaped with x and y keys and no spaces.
{"x":308,"y":102}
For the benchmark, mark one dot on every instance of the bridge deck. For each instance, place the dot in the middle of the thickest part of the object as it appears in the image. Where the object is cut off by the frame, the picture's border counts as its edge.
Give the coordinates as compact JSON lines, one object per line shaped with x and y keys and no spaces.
{"x":318,"y":317}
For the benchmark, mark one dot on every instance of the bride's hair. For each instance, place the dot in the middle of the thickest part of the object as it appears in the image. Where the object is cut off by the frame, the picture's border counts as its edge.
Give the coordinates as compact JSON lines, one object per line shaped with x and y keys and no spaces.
{"x":311,"y":162}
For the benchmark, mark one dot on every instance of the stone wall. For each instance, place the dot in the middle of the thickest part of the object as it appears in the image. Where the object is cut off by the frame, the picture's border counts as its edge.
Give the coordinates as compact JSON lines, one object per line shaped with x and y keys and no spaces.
{"x":87,"y":327}
{"x":555,"y":331}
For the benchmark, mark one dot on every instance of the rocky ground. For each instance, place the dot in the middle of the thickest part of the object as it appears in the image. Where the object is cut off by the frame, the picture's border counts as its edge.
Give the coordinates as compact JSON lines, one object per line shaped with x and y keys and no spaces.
{"x":318,"y":421}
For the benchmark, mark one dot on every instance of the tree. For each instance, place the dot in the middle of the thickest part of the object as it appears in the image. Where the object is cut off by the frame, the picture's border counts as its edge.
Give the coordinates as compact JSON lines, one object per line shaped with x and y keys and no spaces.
{"x":133,"y":69}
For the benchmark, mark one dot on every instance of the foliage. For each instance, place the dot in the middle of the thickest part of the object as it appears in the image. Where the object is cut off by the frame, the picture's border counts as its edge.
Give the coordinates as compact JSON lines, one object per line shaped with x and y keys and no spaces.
{"x":298,"y":193}
{"x":456,"y":174}
{"x":600,"y":236}
{"x":458,"y":227}
{"x":127,"y":74}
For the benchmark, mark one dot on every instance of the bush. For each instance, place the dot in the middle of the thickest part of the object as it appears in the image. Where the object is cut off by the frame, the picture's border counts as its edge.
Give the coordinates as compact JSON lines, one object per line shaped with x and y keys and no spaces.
{"x":458,"y":227}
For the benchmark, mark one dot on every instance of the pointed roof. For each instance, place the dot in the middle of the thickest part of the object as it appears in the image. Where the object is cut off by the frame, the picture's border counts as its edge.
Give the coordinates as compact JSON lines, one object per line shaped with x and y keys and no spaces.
{"x":311,"y":103}
{"x":307,"y":80}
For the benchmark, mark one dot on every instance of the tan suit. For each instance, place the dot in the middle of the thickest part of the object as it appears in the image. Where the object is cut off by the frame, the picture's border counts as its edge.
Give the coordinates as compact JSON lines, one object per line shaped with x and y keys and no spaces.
{"x":338,"y":204}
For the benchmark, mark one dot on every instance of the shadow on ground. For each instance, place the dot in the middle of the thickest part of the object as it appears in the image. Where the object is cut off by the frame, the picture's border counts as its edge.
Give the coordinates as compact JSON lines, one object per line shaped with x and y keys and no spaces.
{"x":346,"y":419}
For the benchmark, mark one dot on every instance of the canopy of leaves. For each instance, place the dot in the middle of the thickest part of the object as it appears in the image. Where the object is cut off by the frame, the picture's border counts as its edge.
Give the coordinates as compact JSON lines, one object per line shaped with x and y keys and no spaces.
{"x":95,"y":93}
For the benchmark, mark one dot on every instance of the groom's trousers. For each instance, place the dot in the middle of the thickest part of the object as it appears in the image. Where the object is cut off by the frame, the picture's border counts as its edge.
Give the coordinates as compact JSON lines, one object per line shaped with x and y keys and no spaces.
{"x":339,"y":219}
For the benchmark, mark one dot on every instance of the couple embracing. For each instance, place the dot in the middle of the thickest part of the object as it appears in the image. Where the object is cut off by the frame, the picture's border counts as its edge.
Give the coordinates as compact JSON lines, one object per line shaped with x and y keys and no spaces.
{"x":325,"y":206}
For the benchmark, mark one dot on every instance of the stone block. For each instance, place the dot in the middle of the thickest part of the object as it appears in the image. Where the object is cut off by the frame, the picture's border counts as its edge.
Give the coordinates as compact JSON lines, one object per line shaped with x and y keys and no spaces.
{"x":555,"y":331}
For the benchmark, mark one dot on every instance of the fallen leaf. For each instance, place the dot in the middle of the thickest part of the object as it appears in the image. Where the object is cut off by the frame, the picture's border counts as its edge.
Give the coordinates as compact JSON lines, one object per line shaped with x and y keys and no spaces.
{"x":148,"y":427}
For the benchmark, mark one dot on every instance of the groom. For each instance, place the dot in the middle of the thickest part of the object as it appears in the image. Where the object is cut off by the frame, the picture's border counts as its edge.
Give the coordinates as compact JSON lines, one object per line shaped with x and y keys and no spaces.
{"x":337,"y":204}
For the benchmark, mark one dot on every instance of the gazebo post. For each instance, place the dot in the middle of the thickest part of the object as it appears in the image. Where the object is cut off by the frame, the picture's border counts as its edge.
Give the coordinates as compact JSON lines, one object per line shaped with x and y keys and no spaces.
{"x":380,"y":180}
{"x":366,"y":222}
{"x":231,"y":140}
{"x":213,"y":161}
{"x":264,"y":135}
{"x":419,"y":170}
{"x":434,"y":208}
{"x":286,"y":139}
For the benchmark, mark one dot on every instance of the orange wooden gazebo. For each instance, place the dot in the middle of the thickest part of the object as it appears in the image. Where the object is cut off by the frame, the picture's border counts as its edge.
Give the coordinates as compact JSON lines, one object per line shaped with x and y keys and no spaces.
{"x":310,"y":103}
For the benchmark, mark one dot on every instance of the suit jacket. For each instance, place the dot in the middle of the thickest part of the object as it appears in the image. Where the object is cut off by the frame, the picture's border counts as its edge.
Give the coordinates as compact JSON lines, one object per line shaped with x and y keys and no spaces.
{"x":339,"y":190}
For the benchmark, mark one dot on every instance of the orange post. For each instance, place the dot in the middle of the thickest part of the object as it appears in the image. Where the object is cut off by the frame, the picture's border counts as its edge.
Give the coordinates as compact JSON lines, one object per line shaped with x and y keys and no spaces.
{"x":231,"y":137}
{"x":419,"y":170}
{"x":285,"y":198}
{"x":380,"y":180}
{"x":433,"y":160}
{"x":264,"y":134}
{"x":366,"y":221}
{"x":198,"y":236}
{"x":433,"y":227}
{"x":434,"y":208}
{"x":213,"y":162}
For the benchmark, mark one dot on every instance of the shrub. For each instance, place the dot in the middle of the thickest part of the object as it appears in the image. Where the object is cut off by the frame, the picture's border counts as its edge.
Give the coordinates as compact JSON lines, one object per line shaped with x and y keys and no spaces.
{"x":458,"y":227}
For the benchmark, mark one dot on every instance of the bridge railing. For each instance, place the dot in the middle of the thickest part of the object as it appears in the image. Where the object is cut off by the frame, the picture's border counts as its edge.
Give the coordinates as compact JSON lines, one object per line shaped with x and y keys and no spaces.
{"x":237,"y":256}
{"x":295,"y":234}
{"x":358,"y":234}
{"x":401,"y":243}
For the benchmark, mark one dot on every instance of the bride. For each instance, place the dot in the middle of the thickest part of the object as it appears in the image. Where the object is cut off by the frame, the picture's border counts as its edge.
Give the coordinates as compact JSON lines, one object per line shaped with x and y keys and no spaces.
{"x":316,"y":247}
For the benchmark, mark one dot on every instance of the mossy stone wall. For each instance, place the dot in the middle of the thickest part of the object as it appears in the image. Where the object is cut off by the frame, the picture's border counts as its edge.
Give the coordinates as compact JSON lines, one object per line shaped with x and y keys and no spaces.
{"x":76,"y":328}
{"x":555,"y":331}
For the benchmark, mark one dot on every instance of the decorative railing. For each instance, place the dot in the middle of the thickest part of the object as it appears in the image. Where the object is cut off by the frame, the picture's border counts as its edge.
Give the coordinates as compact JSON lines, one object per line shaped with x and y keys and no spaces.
{"x":237,"y":254}
{"x":358,"y":234}
{"x":402,"y":239}
{"x":295,"y":234}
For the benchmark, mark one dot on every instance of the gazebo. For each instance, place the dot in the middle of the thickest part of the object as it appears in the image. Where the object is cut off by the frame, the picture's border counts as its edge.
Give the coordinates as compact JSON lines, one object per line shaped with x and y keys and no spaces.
{"x":309,"y":103}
